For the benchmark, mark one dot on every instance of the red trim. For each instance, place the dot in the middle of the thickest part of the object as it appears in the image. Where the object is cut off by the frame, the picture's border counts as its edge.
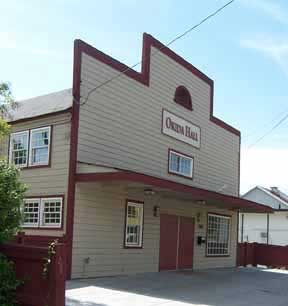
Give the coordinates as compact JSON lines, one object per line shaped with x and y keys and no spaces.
{"x":227,"y":201}
{"x":178,"y":174}
{"x":68,"y":110}
{"x":47,"y":228}
{"x":125,"y":224}
{"x":144,"y":76}
{"x":183,"y":98}
{"x":239,"y":168}
{"x":73,"y":154}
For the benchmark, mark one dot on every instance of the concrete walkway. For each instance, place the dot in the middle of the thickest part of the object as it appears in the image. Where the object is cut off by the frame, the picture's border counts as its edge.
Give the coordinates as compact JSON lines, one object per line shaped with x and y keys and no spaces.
{"x":225,"y":287}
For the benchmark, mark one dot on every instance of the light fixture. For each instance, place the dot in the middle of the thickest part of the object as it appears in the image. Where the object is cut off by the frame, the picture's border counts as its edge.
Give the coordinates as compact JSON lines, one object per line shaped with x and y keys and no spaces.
{"x":156,"y":211}
{"x":201,"y":202}
{"x":149,"y":191}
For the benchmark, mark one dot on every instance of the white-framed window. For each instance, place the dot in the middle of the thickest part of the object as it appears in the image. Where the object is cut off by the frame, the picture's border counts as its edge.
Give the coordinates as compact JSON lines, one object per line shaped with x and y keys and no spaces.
{"x":39,"y":146}
{"x":218,"y":235}
{"x":31,"y":212}
{"x":36,"y":152}
{"x":18,"y":154}
{"x":180,"y":164}
{"x":43,"y":212}
{"x":134,"y":224}
{"x":51,"y":212}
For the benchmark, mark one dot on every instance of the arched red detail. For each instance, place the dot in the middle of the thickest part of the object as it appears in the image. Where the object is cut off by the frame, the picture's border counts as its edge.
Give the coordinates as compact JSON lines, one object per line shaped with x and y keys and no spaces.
{"x":183,"y":97}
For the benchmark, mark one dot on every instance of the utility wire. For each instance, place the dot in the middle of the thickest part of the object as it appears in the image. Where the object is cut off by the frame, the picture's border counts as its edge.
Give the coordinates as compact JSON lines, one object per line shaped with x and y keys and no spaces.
{"x":255,"y":133}
{"x":155,"y":52}
{"x":270,"y":131}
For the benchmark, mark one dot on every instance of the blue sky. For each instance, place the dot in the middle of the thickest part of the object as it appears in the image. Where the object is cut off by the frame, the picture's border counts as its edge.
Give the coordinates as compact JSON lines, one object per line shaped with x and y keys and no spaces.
{"x":244,"y":50}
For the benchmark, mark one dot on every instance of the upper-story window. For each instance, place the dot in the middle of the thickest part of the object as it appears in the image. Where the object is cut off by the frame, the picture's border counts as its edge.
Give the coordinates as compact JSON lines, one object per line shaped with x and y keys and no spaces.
{"x":39,"y":146}
{"x":180,"y":164}
{"x":19,"y":148}
{"x":36,"y":152}
{"x":183,"y":97}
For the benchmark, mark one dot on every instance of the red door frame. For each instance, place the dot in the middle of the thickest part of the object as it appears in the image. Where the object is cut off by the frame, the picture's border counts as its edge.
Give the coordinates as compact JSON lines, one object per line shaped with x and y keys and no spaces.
{"x":176,"y":249}
{"x":186,"y":243}
{"x":168,"y":242}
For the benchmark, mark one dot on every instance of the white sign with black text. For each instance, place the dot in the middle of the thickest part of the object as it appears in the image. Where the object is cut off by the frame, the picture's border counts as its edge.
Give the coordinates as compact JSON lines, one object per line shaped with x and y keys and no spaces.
{"x":180,"y":129}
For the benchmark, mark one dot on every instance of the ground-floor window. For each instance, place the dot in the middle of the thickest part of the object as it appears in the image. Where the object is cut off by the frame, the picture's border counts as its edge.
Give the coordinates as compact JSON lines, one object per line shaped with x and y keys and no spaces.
{"x":218,"y":235}
{"x":134,"y":224}
{"x":43,"y":212}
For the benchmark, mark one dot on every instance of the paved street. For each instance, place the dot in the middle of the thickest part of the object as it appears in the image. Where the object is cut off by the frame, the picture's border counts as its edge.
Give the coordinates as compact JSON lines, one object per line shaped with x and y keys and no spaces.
{"x":225,"y":287}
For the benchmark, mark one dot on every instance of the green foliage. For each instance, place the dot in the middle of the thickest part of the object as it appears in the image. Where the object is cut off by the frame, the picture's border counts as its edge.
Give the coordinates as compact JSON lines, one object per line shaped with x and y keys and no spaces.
{"x":11,"y":197}
{"x":6,"y":102}
{"x":4,"y":128}
{"x":6,"y":98}
{"x":8,"y":282}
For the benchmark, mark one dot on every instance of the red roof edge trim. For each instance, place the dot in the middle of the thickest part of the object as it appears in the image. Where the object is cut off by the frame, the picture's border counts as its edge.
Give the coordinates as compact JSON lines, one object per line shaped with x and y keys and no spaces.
{"x":143,"y":77}
{"x":197,"y":193}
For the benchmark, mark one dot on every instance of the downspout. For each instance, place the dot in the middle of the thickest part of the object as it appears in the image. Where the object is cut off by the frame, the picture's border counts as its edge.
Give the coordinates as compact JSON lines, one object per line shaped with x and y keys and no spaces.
{"x":242,"y":228}
{"x":268,"y":225}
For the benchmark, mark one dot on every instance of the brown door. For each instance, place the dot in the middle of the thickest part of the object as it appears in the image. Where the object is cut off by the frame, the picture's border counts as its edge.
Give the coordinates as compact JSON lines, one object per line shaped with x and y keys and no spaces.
{"x":168,"y":242}
{"x":186,"y":243}
{"x":176,"y":242}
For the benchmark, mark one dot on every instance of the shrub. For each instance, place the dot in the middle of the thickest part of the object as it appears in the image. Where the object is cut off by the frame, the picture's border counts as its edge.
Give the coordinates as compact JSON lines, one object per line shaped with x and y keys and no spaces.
{"x":11,"y":198}
{"x":8,"y":282}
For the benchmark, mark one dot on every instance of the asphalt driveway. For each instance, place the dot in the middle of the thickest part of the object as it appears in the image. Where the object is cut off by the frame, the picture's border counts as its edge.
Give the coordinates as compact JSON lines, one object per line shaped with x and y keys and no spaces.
{"x":225,"y":287}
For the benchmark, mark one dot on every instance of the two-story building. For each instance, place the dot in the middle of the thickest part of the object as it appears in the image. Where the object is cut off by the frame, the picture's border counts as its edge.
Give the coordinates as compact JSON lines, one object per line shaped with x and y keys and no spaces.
{"x":131,"y":169}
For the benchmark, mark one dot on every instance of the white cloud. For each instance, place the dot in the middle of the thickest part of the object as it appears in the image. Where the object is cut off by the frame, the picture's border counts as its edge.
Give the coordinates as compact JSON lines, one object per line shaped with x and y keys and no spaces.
{"x":271,"y":8}
{"x":274,"y":48}
{"x":264,"y":167}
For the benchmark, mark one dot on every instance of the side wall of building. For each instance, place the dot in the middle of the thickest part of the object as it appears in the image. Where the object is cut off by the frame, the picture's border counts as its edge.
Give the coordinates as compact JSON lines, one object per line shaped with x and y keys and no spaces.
{"x":255,"y":228}
{"x":99,"y":232}
{"x":120,"y":124}
{"x":47,"y":181}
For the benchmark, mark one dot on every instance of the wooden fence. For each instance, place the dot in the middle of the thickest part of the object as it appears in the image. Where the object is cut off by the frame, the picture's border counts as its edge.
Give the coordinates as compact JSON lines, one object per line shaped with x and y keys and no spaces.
{"x":262,"y":254}
{"x":38,"y":290}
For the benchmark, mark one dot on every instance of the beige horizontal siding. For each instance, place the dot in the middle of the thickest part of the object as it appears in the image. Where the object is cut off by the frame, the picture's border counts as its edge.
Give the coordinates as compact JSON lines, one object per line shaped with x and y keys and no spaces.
{"x":120,"y":125}
{"x":99,"y":232}
{"x":48,"y":180}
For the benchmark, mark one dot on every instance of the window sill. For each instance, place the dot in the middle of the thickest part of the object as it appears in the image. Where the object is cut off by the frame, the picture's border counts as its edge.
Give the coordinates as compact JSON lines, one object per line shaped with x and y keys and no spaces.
{"x":41,"y":228}
{"x":132,"y":247}
{"x":35,"y":167}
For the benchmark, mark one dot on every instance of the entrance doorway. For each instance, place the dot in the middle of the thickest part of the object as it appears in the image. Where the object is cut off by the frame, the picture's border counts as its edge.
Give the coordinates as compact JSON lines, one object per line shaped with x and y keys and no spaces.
{"x":176,"y":242}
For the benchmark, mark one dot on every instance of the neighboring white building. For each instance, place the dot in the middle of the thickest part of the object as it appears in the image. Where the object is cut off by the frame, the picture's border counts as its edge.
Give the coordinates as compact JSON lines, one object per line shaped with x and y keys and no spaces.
{"x":265,"y":228}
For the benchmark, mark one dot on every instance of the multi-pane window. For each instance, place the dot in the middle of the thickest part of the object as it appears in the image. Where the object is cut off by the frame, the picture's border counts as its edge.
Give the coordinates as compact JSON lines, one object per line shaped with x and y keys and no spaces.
{"x":51,"y":212}
{"x":35,"y":152}
{"x":42,"y":212}
{"x":39,"y":146}
{"x":31,"y":209}
{"x":218,"y":235}
{"x":180,"y":164}
{"x":134,"y":224}
{"x":19,"y":148}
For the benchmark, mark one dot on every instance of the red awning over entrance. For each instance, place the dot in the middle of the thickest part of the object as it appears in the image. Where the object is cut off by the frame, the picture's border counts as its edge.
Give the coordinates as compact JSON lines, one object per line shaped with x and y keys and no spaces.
{"x":196,"y":194}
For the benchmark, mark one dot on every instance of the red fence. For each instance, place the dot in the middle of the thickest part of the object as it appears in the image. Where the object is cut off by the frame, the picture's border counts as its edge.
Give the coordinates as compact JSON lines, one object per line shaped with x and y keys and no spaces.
{"x":262,"y":254}
{"x":38,"y":290}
